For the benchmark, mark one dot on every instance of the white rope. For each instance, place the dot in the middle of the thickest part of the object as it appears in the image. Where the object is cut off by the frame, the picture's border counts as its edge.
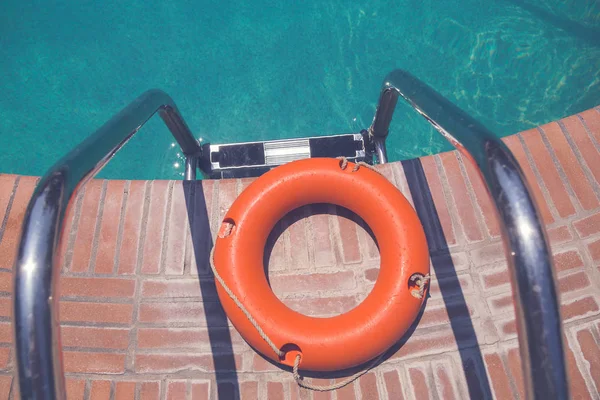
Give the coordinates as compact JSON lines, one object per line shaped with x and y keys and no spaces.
{"x":238,"y":303}
{"x":344,"y":164}
{"x":300,"y":381}
{"x":421,"y":281}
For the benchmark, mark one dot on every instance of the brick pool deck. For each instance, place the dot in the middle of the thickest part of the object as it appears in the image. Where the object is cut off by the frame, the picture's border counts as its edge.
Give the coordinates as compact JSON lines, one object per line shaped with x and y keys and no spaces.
{"x":140,"y":316}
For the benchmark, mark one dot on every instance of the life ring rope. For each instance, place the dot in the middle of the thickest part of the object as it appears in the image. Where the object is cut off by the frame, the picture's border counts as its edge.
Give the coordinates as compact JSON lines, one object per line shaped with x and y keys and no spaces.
{"x":344,"y":164}
{"x":420,"y":281}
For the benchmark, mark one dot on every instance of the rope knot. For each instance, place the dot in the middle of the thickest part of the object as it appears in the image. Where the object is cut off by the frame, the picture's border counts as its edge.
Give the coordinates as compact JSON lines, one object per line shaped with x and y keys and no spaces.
{"x":344,"y":164}
{"x":421,"y":281}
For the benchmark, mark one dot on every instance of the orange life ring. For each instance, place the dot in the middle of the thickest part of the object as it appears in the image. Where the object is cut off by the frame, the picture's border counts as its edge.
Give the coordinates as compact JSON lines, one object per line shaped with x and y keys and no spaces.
{"x":346,"y":340}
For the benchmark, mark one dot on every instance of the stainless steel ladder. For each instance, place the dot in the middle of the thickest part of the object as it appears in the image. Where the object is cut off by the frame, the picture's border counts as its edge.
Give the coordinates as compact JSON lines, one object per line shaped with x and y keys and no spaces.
{"x":36,"y":322}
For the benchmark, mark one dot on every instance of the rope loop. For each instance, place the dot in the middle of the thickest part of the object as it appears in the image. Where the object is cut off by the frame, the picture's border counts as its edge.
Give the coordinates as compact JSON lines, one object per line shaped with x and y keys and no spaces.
{"x":421,"y":281}
{"x":325,"y":388}
{"x":344,"y":164}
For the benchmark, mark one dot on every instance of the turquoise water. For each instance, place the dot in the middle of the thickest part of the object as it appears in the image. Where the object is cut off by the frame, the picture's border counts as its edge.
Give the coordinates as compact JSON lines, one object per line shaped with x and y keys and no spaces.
{"x":271,"y":69}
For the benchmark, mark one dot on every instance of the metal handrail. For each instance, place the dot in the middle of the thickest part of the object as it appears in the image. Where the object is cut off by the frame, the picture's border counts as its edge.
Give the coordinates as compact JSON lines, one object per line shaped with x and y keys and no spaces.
{"x":36,"y":323}
{"x":526,"y":246}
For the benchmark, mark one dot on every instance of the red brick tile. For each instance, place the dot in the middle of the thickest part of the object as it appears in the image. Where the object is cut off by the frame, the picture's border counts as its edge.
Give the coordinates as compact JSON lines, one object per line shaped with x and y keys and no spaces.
{"x":275,"y":391}
{"x":549,"y":173}
{"x":559,"y":235}
{"x":515,"y":367}
{"x":576,"y":380}
{"x":149,"y":391}
{"x":176,"y":390}
{"x":488,"y":254}
{"x":393,"y":385}
{"x":200,"y":391}
{"x":111,"y":313}
{"x":494,"y":278}
{"x":5,"y":386}
{"x":6,"y":282}
{"x":444,"y":383}
{"x":439,"y":314}
{"x":594,"y":249}
{"x":371,"y":274}
{"x":90,"y":337}
{"x":76,"y":389}
{"x":401,"y":182}
{"x":6,"y":335}
{"x":259,"y":364}
{"x":591,"y":119}
{"x":226,"y":390}
{"x":177,"y":312}
{"x":483,"y":199}
{"x":67,"y":228}
{"x":567,"y":260}
{"x":5,"y":307}
{"x":311,"y":283}
{"x":439,"y":199}
{"x":178,"y":227}
{"x":97,"y":287}
{"x":570,"y":164}
{"x":109,"y":227}
{"x":155,"y":227}
{"x":227,"y":194}
{"x":419,"y":383}
{"x":180,"y":338}
{"x":461,"y":197}
{"x":449,"y":265}
{"x":372,"y":249}
{"x":387,"y":171}
{"x":591,"y":353}
{"x":12,"y":229}
{"x":507,"y":328}
{"x":500,"y":304}
{"x":298,"y":393}
{"x":514,"y":144}
{"x":171,"y":363}
{"x":584,"y":144}
{"x":322,"y":396}
{"x":321,"y":231}
{"x":132,"y":224}
{"x":579,"y":308}
{"x":4,"y":357}
{"x":184,"y":288}
{"x":94,"y":363}
{"x":346,"y":392}
{"x":322,"y":306}
{"x":86,"y":227}
{"x":243,"y":183}
{"x":296,"y":227}
{"x":7,"y":184}
{"x":249,"y":390}
{"x":368,"y":386}
{"x":125,"y":391}
{"x":100,"y":390}
{"x":500,"y":382}
{"x":277,"y":260}
{"x":350,"y":247}
{"x":453,"y":286}
{"x":576,"y":281}
{"x":588,"y":226}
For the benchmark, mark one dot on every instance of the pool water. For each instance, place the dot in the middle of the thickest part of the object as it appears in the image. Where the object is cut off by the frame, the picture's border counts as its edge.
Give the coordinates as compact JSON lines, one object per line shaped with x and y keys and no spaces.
{"x":263,"y":69}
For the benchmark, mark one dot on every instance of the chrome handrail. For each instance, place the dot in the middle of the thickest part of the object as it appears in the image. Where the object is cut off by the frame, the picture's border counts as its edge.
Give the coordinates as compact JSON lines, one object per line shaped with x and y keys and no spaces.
{"x":529,"y":259}
{"x":36,"y":323}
